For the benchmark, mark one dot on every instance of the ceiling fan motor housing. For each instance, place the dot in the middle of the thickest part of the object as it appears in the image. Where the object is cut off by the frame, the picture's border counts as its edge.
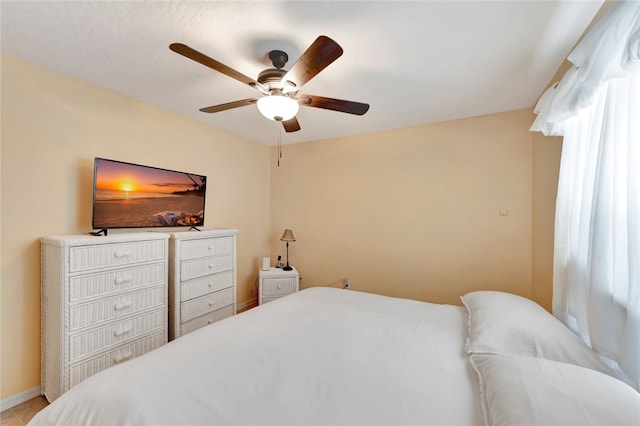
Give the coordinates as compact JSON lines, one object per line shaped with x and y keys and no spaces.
{"x":271,"y":78}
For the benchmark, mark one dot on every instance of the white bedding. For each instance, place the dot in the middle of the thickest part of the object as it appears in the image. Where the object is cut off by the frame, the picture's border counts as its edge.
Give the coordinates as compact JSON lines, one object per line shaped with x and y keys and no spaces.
{"x":523,"y":390}
{"x":318,"y":357}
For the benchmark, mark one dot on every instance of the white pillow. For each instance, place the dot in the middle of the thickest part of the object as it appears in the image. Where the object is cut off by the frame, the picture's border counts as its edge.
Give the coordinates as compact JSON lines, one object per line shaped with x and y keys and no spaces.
{"x":521,"y":390}
{"x":504,"y":323}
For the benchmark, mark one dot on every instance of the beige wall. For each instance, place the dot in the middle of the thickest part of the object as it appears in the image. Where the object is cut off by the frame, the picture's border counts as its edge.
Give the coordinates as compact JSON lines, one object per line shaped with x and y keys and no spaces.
{"x":52,"y":128}
{"x":546,"y":167}
{"x":413,"y":212}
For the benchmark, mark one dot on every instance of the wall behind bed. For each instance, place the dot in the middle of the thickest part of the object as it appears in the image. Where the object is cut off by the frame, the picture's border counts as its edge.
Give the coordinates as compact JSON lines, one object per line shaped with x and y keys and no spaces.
{"x":52,"y":128}
{"x":429,"y":212}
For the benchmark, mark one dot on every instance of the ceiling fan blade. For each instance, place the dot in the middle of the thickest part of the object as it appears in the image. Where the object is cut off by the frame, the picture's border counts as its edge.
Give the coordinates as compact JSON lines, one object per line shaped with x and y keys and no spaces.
{"x":291,"y":125}
{"x":193,"y":54}
{"x":322,"y":52}
{"x":339,"y":105}
{"x":229,"y":105}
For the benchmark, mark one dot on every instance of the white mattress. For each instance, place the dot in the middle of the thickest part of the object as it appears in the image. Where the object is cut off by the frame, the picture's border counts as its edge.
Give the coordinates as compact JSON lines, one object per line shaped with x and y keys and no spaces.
{"x":318,"y":357}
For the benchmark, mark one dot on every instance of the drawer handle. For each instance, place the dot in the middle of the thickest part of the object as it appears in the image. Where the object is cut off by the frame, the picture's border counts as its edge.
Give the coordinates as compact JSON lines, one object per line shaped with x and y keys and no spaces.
{"x":210,"y":285}
{"x":210,"y":266}
{"x":209,"y":321}
{"x":210,"y":303}
{"x":122,"y":280}
{"x":122,"y":357}
{"x":123,"y":305}
{"x":123,"y":331}
{"x":120,"y":254}
{"x":209,"y":248}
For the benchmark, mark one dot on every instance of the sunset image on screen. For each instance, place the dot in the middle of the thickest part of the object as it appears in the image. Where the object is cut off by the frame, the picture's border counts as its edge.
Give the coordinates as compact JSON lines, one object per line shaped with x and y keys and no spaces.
{"x":130,"y":195}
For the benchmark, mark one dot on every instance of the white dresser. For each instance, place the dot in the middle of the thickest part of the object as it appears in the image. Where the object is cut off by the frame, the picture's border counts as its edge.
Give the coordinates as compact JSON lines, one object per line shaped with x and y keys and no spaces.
{"x":202,"y":279}
{"x":276,"y":283}
{"x":104,"y":301}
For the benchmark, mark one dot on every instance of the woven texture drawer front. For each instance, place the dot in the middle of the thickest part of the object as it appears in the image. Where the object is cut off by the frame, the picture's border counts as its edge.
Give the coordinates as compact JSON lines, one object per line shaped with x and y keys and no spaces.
{"x":91,"y":285}
{"x":207,"y":319}
{"x":279,"y":286}
{"x":205,"y":285}
{"x":207,"y":247}
{"x":88,"y":314}
{"x":205,"y":304}
{"x":83,"y":344}
{"x":195,"y":268}
{"x":104,"y":299}
{"x":85,"y":258}
{"x":80,"y":371}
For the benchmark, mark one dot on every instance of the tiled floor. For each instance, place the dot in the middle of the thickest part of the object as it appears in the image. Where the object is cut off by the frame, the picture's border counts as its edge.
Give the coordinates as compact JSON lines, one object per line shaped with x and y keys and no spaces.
{"x":21,"y":414}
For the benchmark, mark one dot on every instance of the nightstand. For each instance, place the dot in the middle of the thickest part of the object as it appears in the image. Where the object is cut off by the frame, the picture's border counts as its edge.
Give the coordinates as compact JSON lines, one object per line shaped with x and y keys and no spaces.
{"x":275,"y":283}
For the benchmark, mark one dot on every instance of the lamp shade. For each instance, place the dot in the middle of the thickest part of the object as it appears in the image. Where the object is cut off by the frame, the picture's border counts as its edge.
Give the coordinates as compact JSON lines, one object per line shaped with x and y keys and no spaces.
{"x":278,"y":107}
{"x":288,"y":236}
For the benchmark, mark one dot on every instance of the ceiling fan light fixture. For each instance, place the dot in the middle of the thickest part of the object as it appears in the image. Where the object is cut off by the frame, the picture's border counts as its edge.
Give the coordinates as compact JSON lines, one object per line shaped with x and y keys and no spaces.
{"x":278,"y":107}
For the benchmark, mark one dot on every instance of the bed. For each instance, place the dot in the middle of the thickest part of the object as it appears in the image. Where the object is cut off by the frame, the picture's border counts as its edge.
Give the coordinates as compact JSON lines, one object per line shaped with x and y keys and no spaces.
{"x":325,"y":356}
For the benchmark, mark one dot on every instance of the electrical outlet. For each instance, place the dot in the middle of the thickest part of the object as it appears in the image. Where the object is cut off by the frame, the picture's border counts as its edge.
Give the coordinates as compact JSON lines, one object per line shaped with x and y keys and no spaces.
{"x":347,"y":283}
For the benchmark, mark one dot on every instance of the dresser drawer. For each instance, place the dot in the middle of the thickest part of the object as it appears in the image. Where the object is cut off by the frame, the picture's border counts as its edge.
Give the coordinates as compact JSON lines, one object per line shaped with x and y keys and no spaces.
{"x":205,"y":285}
{"x":269,"y":299}
{"x":80,"y":371}
{"x":87,"y":314}
{"x":207,"y":319}
{"x":86,"y":258}
{"x":205,"y":304}
{"x":86,"y":343}
{"x":207,"y":247}
{"x":85,"y":286}
{"x":195,"y":268}
{"x":277,"y":287}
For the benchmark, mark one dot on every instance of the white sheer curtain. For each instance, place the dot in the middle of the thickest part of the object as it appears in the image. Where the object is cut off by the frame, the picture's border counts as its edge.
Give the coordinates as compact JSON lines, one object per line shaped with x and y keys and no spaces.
{"x":596,"y":108}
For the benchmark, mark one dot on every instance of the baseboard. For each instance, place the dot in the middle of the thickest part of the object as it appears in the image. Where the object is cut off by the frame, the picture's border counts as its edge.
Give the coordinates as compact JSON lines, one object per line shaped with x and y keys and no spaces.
{"x":252,"y":303}
{"x":19,"y":398}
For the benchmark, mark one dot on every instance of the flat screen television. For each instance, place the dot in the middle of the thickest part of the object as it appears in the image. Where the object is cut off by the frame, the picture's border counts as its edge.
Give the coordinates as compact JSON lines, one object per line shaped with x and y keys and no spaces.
{"x":127,"y":195}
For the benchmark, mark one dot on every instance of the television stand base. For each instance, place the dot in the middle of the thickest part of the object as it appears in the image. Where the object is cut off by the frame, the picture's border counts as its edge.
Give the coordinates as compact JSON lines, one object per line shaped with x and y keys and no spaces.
{"x":100,"y":232}
{"x":194,"y":228}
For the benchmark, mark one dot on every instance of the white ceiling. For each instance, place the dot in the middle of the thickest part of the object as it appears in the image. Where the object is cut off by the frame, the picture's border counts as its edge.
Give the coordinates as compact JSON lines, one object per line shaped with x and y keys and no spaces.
{"x":414,"y":62}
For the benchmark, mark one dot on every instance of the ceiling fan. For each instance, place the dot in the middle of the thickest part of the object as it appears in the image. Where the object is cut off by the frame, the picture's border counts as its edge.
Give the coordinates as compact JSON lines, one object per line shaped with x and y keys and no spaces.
{"x":279,"y":87}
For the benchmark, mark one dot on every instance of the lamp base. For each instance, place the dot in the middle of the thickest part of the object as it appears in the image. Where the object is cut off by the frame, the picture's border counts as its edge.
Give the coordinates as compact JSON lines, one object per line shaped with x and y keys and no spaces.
{"x":287,"y":268}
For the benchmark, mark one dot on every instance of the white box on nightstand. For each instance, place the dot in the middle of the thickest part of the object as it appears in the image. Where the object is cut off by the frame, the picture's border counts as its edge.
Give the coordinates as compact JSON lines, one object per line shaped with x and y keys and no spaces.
{"x":276,"y":283}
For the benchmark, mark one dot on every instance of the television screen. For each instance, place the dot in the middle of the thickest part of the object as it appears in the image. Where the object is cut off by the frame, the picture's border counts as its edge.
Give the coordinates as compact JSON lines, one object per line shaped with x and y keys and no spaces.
{"x":127,"y":195}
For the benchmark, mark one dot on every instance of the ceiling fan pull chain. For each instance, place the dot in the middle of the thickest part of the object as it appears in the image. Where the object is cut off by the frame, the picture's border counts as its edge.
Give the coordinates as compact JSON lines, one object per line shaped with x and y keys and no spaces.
{"x":279,"y":144}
